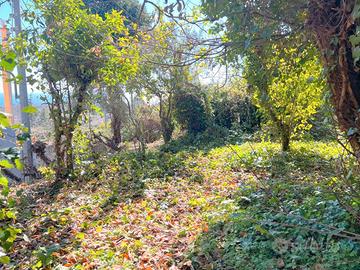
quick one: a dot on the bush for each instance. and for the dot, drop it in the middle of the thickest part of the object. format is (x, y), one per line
(213, 136)
(191, 112)
(152, 130)
(233, 111)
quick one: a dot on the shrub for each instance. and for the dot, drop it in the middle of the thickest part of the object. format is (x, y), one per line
(233, 111)
(190, 112)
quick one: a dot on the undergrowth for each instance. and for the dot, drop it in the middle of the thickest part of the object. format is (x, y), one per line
(243, 206)
(286, 217)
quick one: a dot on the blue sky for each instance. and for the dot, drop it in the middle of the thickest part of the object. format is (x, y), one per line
(5, 11)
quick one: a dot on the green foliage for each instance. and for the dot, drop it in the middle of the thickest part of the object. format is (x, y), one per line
(261, 236)
(288, 89)
(8, 232)
(29, 109)
(252, 24)
(346, 184)
(264, 33)
(76, 49)
(129, 8)
(47, 173)
(284, 217)
(190, 112)
(304, 158)
(82, 149)
(232, 108)
(8, 62)
(155, 165)
(162, 83)
(213, 136)
(9, 158)
(45, 256)
(81, 47)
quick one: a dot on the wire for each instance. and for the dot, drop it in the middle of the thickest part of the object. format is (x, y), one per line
(3, 2)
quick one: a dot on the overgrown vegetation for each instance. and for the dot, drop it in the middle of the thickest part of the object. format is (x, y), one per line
(285, 217)
(212, 135)
(9, 159)
(251, 205)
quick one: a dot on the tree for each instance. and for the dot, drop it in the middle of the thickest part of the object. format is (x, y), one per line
(76, 49)
(332, 24)
(336, 25)
(159, 78)
(159, 84)
(130, 10)
(287, 87)
(110, 97)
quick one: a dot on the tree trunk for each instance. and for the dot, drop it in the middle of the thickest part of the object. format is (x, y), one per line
(69, 152)
(332, 23)
(116, 124)
(66, 167)
(167, 129)
(142, 145)
(57, 117)
(59, 154)
(285, 140)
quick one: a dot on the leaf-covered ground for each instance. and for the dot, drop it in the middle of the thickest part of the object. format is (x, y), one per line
(81, 228)
(83, 225)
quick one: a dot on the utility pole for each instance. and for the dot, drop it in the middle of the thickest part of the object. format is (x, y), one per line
(24, 102)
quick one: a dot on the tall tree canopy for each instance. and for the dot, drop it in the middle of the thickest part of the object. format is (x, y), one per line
(76, 49)
(130, 9)
(333, 24)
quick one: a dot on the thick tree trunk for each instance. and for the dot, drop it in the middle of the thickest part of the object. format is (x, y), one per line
(333, 25)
